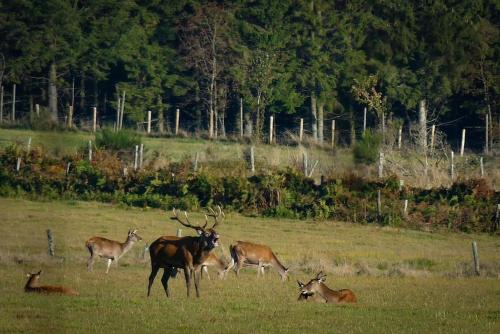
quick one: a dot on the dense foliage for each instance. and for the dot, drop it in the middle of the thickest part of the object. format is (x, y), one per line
(465, 206)
(316, 59)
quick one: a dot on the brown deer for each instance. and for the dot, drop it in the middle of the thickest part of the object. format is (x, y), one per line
(249, 254)
(110, 249)
(33, 286)
(316, 286)
(214, 261)
(188, 253)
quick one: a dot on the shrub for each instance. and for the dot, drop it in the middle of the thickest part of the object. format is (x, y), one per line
(121, 140)
(366, 150)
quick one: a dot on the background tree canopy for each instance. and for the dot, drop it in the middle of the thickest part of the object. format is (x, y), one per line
(290, 59)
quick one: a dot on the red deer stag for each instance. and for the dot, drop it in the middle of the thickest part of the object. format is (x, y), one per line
(33, 286)
(110, 249)
(188, 253)
(250, 254)
(316, 286)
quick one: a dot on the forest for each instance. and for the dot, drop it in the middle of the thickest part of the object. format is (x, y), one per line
(290, 59)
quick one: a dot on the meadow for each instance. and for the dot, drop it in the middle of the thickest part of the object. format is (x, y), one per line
(406, 281)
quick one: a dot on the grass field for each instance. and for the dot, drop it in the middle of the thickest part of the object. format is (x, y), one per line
(406, 281)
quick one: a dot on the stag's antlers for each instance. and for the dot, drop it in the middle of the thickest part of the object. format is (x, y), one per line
(320, 276)
(212, 214)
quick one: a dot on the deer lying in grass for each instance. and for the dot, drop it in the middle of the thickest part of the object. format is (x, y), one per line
(33, 286)
(250, 254)
(316, 286)
(110, 249)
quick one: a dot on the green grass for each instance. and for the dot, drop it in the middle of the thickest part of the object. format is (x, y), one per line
(432, 297)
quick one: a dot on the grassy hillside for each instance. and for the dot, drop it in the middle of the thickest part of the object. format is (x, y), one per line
(406, 281)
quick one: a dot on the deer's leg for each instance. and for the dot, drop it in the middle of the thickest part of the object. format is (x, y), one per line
(90, 262)
(167, 273)
(154, 271)
(196, 282)
(259, 267)
(205, 269)
(239, 265)
(109, 265)
(187, 275)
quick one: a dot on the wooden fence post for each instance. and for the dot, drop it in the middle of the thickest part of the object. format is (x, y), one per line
(463, 143)
(149, 122)
(177, 116)
(301, 130)
(405, 208)
(475, 257)
(271, 120)
(381, 164)
(118, 112)
(252, 159)
(333, 133)
(18, 164)
(481, 165)
(94, 119)
(90, 150)
(14, 103)
(400, 135)
(195, 167)
(179, 233)
(29, 144)
(433, 137)
(37, 109)
(68, 166)
(50, 239)
(136, 156)
(452, 166)
(141, 155)
(364, 121)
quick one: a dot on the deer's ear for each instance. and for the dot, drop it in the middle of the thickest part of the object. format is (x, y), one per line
(322, 279)
(300, 284)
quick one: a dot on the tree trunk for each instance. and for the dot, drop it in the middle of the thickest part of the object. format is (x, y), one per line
(53, 92)
(248, 125)
(422, 124)
(352, 125)
(96, 93)
(82, 94)
(314, 116)
(321, 109)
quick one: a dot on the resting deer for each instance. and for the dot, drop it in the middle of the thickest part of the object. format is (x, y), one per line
(316, 286)
(33, 286)
(110, 249)
(188, 253)
(250, 254)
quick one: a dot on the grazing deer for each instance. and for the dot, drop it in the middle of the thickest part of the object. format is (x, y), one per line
(110, 249)
(33, 286)
(214, 261)
(188, 253)
(317, 286)
(250, 254)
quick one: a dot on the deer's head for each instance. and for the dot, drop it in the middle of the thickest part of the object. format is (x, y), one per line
(133, 236)
(209, 237)
(313, 285)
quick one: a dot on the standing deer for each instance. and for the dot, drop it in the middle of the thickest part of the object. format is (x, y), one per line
(33, 286)
(188, 253)
(250, 254)
(316, 286)
(110, 249)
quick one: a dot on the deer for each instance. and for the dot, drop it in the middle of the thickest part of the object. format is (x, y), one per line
(33, 286)
(245, 253)
(110, 249)
(214, 261)
(188, 253)
(316, 286)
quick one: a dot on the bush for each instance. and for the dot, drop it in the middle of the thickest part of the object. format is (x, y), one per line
(366, 150)
(121, 140)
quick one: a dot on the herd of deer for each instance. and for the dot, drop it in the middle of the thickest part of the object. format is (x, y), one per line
(193, 254)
